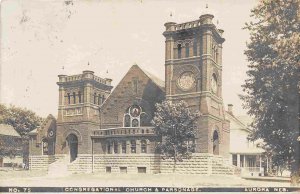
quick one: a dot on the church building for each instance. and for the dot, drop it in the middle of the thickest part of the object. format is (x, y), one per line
(106, 129)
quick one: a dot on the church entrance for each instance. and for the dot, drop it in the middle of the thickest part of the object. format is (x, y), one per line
(216, 143)
(73, 146)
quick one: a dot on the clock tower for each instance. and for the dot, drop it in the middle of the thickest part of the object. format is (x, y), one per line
(193, 72)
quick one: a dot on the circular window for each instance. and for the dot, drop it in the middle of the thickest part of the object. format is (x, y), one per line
(186, 81)
(135, 111)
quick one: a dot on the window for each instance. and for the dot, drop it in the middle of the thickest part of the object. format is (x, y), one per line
(74, 98)
(127, 121)
(123, 170)
(195, 48)
(141, 169)
(69, 98)
(95, 98)
(133, 146)
(124, 147)
(187, 50)
(99, 99)
(135, 123)
(108, 169)
(79, 97)
(234, 159)
(116, 150)
(179, 51)
(135, 117)
(143, 146)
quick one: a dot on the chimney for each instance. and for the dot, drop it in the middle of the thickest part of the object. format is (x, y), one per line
(230, 106)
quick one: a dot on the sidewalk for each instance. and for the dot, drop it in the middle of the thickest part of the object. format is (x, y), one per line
(269, 179)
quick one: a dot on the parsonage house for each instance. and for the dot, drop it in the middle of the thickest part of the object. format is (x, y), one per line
(10, 147)
(104, 129)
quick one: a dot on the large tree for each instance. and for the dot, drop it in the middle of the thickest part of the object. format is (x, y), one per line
(272, 87)
(23, 121)
(175, 125)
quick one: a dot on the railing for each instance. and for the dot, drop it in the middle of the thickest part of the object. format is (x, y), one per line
(99, 79)
(187, 25)
(125, 131)
(257, 171)
(74, 77)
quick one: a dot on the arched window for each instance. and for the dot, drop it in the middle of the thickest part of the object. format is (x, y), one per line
(116, 150)
(135, 117)
(69, 98)
(74, 98)
(216, 143)
(95, 98)
(127, 120)
(187, 50)
(179, 51)
(135, 123)
(79, 97)
(99, 99)
(133, 146)
(143, 146)
(124, 147)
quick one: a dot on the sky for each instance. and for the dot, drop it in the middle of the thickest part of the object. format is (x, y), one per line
(41, 39)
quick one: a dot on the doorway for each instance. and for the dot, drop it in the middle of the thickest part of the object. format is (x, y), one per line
(73, 146)
(216, 143)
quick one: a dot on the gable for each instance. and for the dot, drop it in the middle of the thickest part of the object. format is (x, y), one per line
(136, 88)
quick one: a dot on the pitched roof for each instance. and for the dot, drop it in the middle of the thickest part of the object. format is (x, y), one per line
(160, 83)
(8, 130)
(236, 123)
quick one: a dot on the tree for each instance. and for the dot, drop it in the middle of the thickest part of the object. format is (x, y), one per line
(272, 88)
(23, 121)
(175, 126)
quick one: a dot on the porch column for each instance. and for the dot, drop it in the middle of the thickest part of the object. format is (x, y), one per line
(259, 162)
(244, 161)
(238, 158)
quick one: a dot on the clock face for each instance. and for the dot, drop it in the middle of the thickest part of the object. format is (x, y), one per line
(213, 83)
(186, 81)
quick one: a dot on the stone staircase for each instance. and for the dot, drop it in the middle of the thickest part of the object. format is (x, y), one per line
(221, 166)
(59, 168)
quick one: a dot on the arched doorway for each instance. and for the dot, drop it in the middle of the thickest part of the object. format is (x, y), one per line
(216, 143)
(45, 146)
(73, 146)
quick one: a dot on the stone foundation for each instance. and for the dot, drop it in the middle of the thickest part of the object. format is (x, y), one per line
(205, 164)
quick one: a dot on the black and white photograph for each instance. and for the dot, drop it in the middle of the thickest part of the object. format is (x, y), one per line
(149, 96)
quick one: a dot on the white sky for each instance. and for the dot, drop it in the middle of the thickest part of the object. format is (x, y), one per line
(38, 37)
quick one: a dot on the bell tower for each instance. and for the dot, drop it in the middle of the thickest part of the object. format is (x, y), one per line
(193, 73)
(80, 98)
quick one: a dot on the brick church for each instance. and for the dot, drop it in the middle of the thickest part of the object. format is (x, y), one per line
(106, 129)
